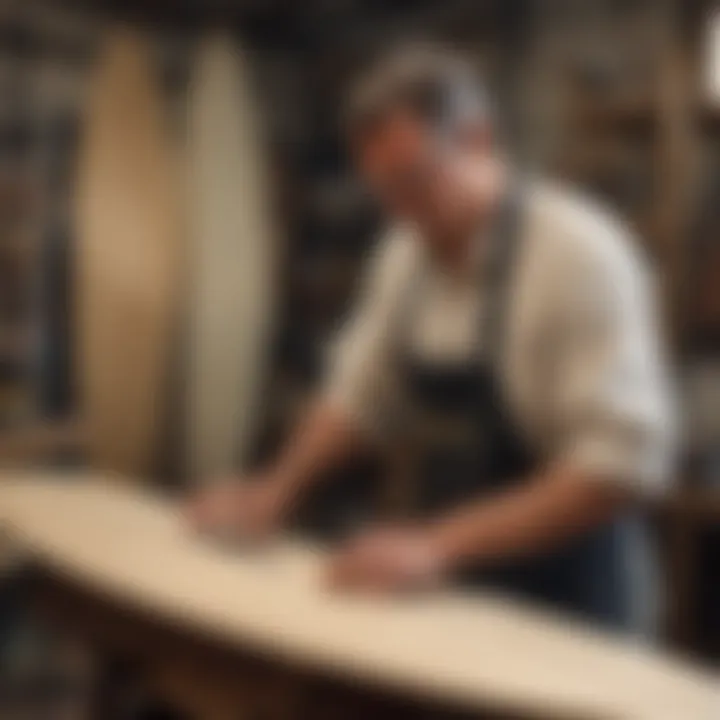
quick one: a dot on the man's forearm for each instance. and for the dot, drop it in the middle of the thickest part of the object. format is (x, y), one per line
(526, 520)
(324, 439)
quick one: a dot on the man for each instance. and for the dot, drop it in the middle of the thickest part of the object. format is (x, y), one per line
(513, 311)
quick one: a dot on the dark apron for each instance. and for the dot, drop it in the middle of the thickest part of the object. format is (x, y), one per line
(598, 575)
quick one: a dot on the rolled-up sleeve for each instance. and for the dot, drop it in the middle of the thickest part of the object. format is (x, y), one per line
(362, 376)
(613, 398)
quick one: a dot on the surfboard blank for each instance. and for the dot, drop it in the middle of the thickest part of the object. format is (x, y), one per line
(489, 653)
(127, 259)
(232, 247)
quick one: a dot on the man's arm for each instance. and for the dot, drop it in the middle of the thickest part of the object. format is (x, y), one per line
(534, 517)
(360, 395)
(325, 438)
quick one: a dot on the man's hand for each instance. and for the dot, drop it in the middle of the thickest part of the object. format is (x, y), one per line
(237, 509)
(394, 559)
(257, 506)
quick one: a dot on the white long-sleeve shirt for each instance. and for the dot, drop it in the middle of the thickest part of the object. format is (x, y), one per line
(583, 368)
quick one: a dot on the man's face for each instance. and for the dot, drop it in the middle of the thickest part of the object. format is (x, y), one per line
(413, 175)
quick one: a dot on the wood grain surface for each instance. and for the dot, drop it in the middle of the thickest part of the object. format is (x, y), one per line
(128, 254)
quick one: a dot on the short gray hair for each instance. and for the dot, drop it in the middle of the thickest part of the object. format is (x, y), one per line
(440, 86)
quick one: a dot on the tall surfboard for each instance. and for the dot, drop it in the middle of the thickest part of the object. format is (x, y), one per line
(128, 252)
(231, 258)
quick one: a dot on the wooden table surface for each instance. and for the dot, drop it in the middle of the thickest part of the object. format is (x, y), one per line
(478, 652)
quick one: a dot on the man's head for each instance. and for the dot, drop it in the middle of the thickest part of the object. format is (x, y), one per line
(420, 127)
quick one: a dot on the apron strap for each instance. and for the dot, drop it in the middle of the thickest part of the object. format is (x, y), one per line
(498, 277)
